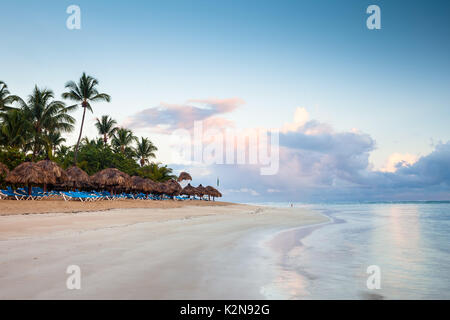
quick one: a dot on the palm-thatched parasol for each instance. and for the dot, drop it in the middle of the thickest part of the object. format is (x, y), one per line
(111, 177)
(201, 191)
(189, 190)
(173, 187)
(138, 183)
(3, 170)
(150, 186)
(184, 176)
(213, 192)
(28, 173)
(163, 188)
(76, 177)
(55, 173)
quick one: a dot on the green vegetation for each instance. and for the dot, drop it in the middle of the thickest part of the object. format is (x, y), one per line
(33, 129)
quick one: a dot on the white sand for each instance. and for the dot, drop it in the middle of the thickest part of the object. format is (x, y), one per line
(177, 253)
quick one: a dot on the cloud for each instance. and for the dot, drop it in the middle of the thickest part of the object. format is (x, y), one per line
(301, 116)
(429, 170)
(398, 160)
(168, 117)
(242, 190)
(315, 161)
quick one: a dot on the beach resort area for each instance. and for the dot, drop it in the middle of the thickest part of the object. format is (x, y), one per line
(224, 158)
(130, 226)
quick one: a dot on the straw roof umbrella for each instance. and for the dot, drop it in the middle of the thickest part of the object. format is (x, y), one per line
(189, 190)
(174, 187)
(161, 188)
(167, 187)
(213, 192)
(77, 177)
(201, 191)
(137, 183)
(111, 177)
(29, 173)
(55, 173)
(3, 170)
(184, 176)
(151, 186)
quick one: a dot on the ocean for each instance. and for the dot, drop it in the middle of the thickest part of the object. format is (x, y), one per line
(402, 250)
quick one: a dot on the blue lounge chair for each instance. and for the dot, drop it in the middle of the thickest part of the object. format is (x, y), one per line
(12, 194)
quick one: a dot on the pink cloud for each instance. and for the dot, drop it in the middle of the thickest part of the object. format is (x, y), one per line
(168, 117)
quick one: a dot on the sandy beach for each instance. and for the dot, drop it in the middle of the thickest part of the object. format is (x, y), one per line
(184, 252)
(12, 207)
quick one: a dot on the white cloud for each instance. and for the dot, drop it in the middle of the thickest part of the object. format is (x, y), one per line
(301, 116)
(242, 190)
(398, 160)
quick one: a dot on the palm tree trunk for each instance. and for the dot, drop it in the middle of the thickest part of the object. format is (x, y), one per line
(79, 137)
(33, 157)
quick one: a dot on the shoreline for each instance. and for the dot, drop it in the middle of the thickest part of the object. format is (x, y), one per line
(285, 245)
(201, 252)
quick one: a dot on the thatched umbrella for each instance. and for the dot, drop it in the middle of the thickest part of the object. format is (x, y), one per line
(162, 188)
(201, 191)
(138, 183)
(174, 187)
(3, 170)
(151, 186)
(54, 172)
(189, 190)
(77, 178)
(212, 192)
(29, 173)
(111, 177)
(184, 176)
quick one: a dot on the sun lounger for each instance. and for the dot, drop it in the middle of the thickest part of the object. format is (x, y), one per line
(12, 194)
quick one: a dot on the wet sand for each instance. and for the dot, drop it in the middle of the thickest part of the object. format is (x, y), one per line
(190, 252)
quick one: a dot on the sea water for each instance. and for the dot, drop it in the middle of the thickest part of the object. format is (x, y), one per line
(408, 243)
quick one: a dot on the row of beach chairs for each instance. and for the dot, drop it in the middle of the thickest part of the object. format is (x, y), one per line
(83, 196)
(22, 194)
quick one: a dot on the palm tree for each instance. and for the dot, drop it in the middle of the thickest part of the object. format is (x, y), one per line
(5, 98)
(144, 150)
(106, 127)
(84, 93)
(122, 139)
(14, 130)
(53, 140)
(45, 115)
(62, 151)
(98, 143)
(157, 172)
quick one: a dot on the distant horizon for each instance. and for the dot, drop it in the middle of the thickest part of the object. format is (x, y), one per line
(353, 202)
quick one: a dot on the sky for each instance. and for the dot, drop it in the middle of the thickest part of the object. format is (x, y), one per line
(362, 114)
